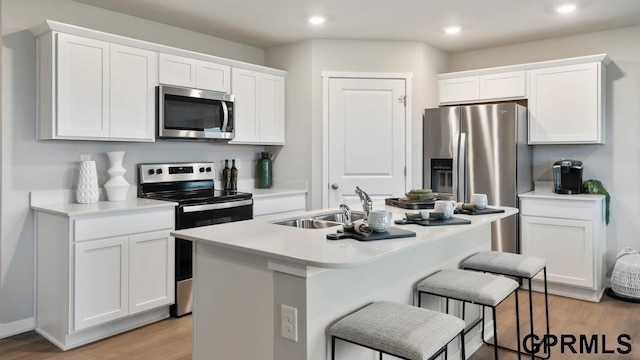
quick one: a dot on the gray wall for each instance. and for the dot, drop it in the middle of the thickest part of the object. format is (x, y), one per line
(616, 162)
(30, 165)
(313, 57)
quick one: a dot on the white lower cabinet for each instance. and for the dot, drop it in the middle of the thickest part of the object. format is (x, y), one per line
(570, 235)
(101, 274)
(101, 281)
(151, 271)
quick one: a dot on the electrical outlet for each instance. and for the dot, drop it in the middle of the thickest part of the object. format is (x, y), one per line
(289, 322)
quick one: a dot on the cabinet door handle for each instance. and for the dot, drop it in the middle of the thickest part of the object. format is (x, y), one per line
(334, 186)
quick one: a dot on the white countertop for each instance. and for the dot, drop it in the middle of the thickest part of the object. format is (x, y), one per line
(544, 190)
(310, 246)
(101, 207)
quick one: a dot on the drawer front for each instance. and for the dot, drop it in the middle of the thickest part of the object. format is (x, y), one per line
(123, 224)
(278, 204)
(564, 209)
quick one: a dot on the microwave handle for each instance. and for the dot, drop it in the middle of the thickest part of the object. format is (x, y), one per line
(225, 113)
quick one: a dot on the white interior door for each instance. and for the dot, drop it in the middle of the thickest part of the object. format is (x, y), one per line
(366, 138)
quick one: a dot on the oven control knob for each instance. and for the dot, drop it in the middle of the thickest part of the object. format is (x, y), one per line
(208, 169)
(151, 172)
(159, 171)
(201, 169)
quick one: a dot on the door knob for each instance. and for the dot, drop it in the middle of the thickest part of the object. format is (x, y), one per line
(334, 186)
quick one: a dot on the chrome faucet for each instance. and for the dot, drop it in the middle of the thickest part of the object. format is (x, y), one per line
(346, 213)
(367, 204)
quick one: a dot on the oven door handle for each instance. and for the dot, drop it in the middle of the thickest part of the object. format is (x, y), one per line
(225, 205)
(225, 114)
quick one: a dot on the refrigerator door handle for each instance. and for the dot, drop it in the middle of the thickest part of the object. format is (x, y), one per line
(462, 167)
(455, 141)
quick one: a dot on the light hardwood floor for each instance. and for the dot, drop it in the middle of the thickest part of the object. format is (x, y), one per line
(171, 339)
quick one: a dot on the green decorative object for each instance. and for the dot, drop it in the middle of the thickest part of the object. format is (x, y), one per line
(592, 186)
(265, 175)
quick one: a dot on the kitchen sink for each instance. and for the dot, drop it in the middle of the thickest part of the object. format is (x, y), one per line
(320, 221)
(309, 223)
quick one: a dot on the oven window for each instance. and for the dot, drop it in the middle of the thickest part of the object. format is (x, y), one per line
(186, 113)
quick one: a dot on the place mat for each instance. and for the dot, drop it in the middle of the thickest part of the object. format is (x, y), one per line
(391, 233)
(478, 211)
(434, 222)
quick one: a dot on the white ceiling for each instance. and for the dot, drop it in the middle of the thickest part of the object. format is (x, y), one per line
(485, 23)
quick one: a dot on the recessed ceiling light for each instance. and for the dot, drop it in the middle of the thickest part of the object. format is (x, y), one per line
(452, 30)
(317, 20)
(567, 8)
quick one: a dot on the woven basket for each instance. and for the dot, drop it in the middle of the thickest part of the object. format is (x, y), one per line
(625, 280)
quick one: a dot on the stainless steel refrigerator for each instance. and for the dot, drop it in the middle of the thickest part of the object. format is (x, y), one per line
(480, 149)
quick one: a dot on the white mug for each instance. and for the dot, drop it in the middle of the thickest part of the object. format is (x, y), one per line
(446, 207)
(379, 220)
(479, 200)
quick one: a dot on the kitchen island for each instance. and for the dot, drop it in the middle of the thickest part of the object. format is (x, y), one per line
(245, 272)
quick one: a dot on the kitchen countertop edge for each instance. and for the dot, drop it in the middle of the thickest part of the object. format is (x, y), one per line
(101, 207)
(283, 237)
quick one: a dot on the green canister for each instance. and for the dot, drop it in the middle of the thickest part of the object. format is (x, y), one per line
(265, 176)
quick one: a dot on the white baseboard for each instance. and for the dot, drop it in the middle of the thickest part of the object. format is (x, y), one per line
(17, 327)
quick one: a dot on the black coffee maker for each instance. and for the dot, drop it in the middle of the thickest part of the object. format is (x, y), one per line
(567, 177)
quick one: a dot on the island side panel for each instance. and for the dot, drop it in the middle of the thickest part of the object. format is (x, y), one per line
(336, 293)
(233, 305)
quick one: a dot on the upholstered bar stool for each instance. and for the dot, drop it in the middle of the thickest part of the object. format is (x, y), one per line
(518, 266)
(399, 330)
(475, 288)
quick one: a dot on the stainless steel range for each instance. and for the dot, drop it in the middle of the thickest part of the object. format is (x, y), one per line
(191, 185)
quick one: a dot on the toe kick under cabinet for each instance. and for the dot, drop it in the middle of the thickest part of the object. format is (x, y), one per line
(102, 273)
(569, 232)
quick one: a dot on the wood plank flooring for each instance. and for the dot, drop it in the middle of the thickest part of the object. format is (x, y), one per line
(171, 339)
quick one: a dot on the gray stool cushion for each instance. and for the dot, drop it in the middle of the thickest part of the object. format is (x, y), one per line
(505, 263)
(403, 330)
(470, 286)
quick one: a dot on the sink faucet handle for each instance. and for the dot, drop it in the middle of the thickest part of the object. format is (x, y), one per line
(347, 214)
(365, 199)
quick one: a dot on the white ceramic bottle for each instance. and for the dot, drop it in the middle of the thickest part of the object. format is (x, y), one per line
(87, 191)
(117, 187)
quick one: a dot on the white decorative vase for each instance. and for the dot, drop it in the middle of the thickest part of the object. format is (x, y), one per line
(117, 187)
(87, 191)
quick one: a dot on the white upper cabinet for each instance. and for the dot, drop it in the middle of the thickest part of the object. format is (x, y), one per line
(507, 85)
(566, 97)
(133, 81)
(459, 90)
(566, 104)
(259, 107)
(98, 86)
(482, 88)
(94, 90)
(82, 88)
(188, 72)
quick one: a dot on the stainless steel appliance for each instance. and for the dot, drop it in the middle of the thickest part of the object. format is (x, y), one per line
(567, 177)
(191, 185)
(185, 113)
(480, 149)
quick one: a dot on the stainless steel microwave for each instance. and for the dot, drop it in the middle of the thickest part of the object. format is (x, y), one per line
(185, 113)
